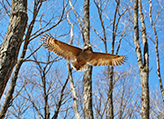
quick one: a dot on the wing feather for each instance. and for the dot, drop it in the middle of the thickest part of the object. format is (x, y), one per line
(102, 59)
(62, 49)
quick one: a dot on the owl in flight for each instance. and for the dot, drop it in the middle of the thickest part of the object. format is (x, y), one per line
(79, 56)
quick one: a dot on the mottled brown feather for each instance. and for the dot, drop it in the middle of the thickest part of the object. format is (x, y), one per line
(102, 59)
(62, 49)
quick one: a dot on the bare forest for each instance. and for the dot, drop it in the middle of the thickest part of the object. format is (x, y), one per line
(38, 84)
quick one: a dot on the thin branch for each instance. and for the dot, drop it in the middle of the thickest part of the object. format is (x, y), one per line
(33, 36)
(81, 26)
(60, 100)
(156, 49)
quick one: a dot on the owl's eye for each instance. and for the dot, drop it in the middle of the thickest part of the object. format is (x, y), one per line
(85, 49)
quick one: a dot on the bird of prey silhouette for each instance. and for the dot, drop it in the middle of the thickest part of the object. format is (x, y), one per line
(79, 56)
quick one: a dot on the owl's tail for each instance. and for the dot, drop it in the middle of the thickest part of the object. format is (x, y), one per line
(77, 66)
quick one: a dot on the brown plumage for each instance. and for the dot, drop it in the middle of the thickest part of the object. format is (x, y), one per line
(81, 56)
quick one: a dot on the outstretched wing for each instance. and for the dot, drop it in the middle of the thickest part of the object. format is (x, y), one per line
(102, 59)
(62, 49)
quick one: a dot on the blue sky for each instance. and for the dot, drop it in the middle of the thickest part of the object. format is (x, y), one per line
(127, 46)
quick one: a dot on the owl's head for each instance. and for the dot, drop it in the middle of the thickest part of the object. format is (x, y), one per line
(87, 47)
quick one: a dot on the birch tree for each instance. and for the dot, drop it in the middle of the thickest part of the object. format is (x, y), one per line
(143, 62)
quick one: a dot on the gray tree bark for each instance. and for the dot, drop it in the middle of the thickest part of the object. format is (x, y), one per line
(12, 41)
(143, 64)
(111, 72)
(87, 80)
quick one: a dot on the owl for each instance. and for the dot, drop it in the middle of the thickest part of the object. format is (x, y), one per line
(80, 56)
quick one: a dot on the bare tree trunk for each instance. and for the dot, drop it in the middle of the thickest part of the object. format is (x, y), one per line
(87, 80)
(111, 72)
(143, 65)
(144, 71)
(156, 49)
(12, 41)
(46, 105)
(110, 93)
(8, 98)
(75, 105)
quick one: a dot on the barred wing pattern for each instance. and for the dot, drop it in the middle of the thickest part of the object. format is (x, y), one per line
(102, 59)
(62, 49)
